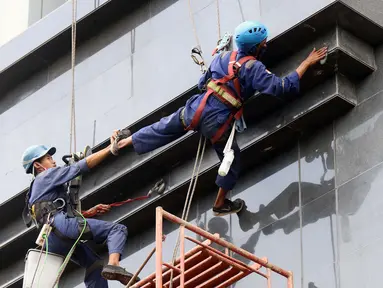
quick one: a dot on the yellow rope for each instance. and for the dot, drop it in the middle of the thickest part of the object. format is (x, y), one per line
(73, 106)
(218, 20)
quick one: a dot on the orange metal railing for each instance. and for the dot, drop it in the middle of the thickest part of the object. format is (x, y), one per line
(204, 266)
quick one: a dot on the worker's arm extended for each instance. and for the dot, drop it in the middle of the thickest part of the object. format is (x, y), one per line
(94, 159)
(61, 175)
(268, 83)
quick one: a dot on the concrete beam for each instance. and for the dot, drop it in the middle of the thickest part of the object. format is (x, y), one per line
(45, 52)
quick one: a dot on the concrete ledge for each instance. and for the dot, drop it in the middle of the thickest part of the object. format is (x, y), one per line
(14, 71)
(337, 13)
(49, 50)
(15, 283)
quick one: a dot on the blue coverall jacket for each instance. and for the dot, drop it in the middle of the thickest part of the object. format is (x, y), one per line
(253, 77)
(51, 185)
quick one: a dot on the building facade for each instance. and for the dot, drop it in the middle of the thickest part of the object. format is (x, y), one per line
(311, 165)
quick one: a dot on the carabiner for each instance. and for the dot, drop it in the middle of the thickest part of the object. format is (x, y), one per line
(222, 43)
(63, 203)
(196, 55)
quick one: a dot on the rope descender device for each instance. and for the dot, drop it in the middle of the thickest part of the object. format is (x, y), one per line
(196, 55)
(222, 43)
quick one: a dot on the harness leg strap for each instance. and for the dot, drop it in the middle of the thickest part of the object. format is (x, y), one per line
(199, 111)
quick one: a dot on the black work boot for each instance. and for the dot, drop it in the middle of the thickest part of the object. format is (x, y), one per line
(122, 134)
(228, 207)
(112, 272)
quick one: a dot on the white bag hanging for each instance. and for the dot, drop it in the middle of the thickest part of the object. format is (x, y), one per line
(228, 155)
(47, 269)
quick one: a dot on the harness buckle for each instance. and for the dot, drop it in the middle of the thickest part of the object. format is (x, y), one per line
(196, 55)
(222, 44)
(63, 203)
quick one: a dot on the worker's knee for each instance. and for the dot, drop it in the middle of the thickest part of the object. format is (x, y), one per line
(121, 229)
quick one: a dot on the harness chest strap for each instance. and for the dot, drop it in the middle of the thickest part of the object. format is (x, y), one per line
(225, 94)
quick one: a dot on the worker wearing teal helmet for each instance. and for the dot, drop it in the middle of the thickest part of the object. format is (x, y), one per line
(251, 37)
(232, 78)
(213, 112)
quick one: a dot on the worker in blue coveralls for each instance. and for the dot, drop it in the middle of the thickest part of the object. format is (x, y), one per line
(48, 194)
(232, 78)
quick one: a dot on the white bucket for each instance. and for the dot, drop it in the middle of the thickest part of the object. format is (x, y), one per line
(49, 270)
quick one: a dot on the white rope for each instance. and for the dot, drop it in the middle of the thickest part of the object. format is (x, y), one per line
(241, 10)
(199, 156)
(218, 20)
(38, 263)
(185, 212)
(73, 106)
(73, 121)
(193, 24)
(189, 195)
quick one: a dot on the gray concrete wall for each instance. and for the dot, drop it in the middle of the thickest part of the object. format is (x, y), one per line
(113, 74)
(303, 219)
(304, 212)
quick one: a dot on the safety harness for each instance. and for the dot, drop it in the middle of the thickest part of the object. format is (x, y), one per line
(220, 89)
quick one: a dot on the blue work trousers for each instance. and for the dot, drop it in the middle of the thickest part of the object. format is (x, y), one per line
(171, 128)
(113, 234)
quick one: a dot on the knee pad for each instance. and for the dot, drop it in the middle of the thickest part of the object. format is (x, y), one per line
(122, 228)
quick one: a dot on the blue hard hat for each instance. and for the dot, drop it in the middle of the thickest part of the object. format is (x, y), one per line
(33, 153)
(249, 34)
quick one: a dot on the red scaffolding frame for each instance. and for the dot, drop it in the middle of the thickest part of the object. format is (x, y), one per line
(204, 266)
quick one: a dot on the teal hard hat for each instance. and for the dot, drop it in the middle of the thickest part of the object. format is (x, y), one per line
(249, 34)
(33, 153)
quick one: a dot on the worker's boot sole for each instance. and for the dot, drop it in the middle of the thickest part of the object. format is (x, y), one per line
(122, 134)
(229, 207)
(117, 273)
